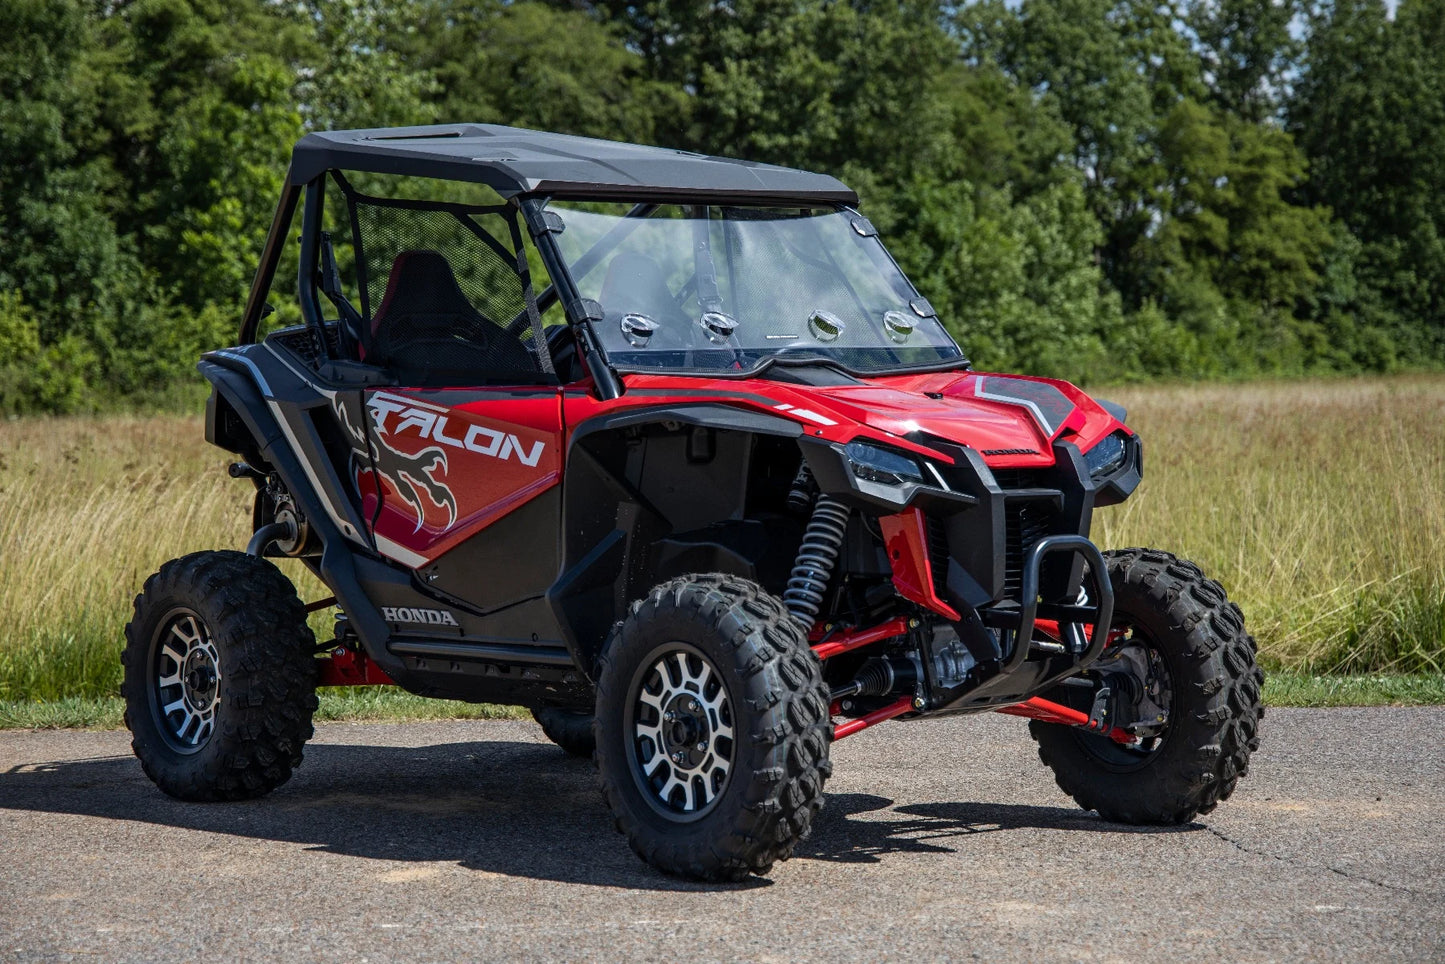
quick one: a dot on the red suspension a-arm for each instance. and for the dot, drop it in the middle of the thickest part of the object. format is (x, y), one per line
(903, 705)
(1034, 709)
(849, 641)
(1046, 711)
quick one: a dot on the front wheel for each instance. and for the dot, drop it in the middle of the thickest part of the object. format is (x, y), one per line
(712, 729)
(220, 677)
(1185, 669)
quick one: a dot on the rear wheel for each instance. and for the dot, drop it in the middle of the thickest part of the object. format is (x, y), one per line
(569, 729)
(219, 677)
(1194, 687)
(712, 729)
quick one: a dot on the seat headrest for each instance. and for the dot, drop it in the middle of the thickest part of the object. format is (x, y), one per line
(421, 281)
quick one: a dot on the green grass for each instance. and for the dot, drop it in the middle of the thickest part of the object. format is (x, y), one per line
(1320, 505)
(370, 703)
(385, 704)
(1285, 689)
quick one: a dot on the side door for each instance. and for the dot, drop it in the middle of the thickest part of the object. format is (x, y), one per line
(462, 485)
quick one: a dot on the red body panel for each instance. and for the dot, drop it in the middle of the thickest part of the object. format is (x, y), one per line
(886, 408)
(462, 458)
(457, 468)
(906, 541)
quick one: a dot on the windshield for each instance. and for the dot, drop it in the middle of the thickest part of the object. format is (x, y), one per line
(730, 290)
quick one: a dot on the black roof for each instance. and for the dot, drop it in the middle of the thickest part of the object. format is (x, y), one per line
(516, 161)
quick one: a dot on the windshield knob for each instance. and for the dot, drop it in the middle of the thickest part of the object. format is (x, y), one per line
(719, 325)
(898, 325)
(637, 329)
(825, 325)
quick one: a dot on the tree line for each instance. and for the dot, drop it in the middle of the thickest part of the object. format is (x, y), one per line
(1093, 189)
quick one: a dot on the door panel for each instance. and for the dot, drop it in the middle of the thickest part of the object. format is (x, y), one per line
(448, 463)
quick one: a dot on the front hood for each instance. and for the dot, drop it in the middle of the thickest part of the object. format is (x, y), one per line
(1010, 420)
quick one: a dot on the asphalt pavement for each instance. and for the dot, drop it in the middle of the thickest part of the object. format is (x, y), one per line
(941, 840)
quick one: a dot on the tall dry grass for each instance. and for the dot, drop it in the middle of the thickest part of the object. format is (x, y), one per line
(1318, 504)
(88, 509)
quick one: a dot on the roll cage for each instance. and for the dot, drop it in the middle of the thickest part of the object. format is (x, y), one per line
(527, 169)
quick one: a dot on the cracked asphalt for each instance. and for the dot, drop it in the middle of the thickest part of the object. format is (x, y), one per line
(940, 840)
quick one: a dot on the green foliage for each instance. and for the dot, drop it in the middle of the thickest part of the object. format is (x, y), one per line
(530, 65)
(1370, 115)
(1249, 52)
(364, 80)
(1085, 188)
(1014, 282)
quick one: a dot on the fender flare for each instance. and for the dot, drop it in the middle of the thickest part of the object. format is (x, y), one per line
(601, 512)
(244, 393)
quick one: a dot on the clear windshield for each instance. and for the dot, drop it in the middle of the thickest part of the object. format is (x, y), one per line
(732, 289)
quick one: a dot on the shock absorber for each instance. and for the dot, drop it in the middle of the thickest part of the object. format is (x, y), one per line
(800, 496)
(816, 557)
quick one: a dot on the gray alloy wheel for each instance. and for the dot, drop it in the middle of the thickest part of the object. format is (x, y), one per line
(681, 721)
(185, 681)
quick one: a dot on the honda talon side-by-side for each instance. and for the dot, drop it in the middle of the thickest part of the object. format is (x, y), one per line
(665, 448)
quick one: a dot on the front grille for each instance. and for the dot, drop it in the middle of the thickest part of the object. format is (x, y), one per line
(1021, 479)
(1024, 525)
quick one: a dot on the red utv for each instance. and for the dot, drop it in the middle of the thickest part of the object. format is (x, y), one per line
(667, 449)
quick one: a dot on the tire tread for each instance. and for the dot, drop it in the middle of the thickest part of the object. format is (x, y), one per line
(785, 754)
(1225, 685)
(257, 621)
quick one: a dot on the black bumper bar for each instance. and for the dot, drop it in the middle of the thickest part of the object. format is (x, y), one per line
(1028, 611)
(1018, 677)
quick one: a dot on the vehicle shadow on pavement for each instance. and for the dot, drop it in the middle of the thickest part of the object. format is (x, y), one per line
(839, 835)
(513, 808)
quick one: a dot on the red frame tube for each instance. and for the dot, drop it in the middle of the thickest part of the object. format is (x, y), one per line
(849, 641)
(1050, 628)
(903, 705)
(1050, 712)
(348, 667)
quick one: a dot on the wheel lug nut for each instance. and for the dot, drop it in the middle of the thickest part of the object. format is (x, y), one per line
(702, 746)
(692, 705)
(669, 716)
(677, 757)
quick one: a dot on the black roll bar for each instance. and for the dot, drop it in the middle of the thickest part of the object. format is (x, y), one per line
(270, 258)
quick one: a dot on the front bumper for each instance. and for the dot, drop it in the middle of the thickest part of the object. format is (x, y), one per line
(1014, 553)
(1024, 666)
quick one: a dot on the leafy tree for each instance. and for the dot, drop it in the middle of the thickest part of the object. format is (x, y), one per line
(60, 245)
(518, 64)
(1370, 115)
(1110, 69)
(1229, 222)
(1014, 282)
(1093, 188)
(360, 74)
(1250, 52)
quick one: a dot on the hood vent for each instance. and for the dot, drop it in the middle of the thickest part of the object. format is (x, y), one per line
(1049, 406)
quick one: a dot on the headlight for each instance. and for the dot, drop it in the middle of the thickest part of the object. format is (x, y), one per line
(1107, 457)
(872, 463)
